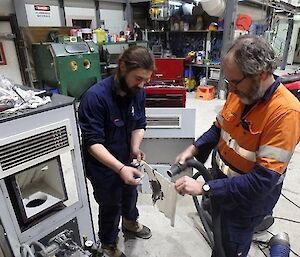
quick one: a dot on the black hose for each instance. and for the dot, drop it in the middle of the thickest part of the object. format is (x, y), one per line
(178, 168)
(214, 236)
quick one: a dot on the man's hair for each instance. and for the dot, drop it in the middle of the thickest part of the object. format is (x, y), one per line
(253, 55)
(136, 57)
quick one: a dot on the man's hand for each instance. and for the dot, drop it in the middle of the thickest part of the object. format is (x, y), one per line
(188, 185)
(130, 175)
(188, 153)
(138, 154)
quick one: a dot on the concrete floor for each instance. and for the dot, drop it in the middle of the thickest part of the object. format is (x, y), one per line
(184, 239)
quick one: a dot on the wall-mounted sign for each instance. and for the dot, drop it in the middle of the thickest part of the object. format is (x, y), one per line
(42, 11)
(45, 8)
(43, 15)
(2, 55)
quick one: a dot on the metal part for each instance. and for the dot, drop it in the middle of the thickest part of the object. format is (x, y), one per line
(163, 191)
(7, 36)
(228, 33)
(280, 245)
(62, 12)
(278, 5)
(287, 43)
(60, 245)
(157, 193)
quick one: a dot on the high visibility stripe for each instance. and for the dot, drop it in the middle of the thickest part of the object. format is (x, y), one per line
(225, 168)
(220, 119)
(281, 178)
(231, 173)
(275, 153)
(231, 143)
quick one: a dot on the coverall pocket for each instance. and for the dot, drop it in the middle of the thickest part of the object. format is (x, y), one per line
(134, 120)
(116, 131)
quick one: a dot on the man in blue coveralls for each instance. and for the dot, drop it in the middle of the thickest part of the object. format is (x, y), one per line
(112, 120)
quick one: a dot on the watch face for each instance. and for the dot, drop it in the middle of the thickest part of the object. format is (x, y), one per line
(206, 187)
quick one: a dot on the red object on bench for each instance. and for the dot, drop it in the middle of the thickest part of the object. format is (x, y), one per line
(166, 86)
(294, 87)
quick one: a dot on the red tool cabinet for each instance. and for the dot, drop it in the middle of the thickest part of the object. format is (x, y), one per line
(166, 87)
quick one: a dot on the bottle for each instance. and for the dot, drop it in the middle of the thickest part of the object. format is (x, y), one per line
(94, 37)
(199, 58)
(101, 37)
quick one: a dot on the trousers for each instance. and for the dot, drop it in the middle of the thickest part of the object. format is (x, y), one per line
(237, 234)
(115, 199)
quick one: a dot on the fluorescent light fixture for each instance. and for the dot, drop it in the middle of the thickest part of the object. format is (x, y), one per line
(176, 3)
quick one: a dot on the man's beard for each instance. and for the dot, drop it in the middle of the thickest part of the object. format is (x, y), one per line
(253, 96)
(126, 89)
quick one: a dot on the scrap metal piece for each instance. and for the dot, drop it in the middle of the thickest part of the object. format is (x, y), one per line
(164, 195)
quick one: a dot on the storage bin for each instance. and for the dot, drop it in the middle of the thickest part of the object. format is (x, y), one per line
(205, 92)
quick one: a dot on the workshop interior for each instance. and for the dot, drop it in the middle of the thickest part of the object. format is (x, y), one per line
(52, 52)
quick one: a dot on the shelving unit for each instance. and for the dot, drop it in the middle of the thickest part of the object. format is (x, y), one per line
(181, 42)
(114, 49)
(207, 68)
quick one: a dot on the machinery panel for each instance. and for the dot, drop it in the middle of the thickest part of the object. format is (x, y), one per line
(70, 67)
(45, 193)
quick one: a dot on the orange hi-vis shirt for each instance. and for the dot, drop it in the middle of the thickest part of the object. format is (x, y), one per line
(266, 135)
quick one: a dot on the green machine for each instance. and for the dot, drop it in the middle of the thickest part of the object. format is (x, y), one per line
(70, 67)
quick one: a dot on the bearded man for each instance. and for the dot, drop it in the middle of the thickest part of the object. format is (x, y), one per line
(254, 137)
(112, 120)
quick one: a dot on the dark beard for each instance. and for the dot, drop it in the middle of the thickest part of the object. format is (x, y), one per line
(124, 87)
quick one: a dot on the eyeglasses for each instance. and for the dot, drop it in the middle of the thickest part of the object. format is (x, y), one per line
(234, 82)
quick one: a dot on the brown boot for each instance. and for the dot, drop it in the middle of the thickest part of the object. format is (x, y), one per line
(135, 228)
(112, 251)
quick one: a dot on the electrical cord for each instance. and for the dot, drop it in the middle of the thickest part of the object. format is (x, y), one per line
(286, 219)
(262, 249)
(292, 202)
(262, 245)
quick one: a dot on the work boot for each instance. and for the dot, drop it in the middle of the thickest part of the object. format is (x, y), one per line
(136, 229)
(112, 251)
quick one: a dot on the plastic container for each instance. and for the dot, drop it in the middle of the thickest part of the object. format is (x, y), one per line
(101, 35)
(214, 8)
(205, 92)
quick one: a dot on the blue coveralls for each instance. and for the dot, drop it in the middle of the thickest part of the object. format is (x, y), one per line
(107, 118)
(240, 210)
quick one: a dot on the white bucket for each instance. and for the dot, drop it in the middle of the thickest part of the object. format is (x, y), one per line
(214, 7)
(187, 8)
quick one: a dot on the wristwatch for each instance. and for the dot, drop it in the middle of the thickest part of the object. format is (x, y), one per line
(206, 189)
